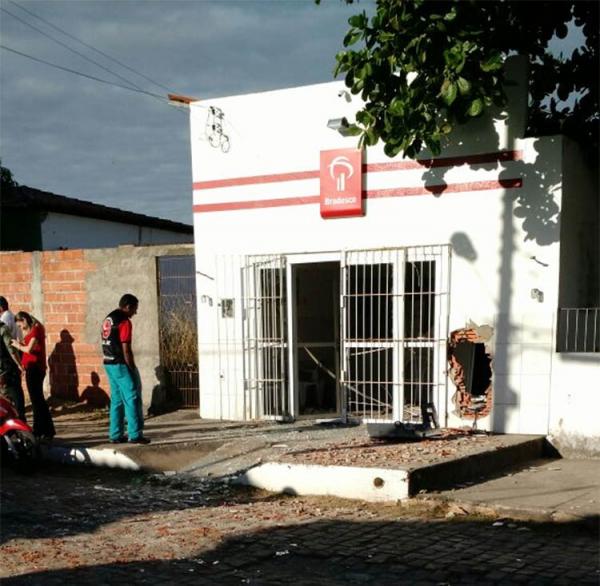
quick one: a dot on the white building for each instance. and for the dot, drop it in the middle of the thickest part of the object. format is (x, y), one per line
(330, 287)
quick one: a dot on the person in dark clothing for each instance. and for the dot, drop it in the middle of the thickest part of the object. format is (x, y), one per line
(10, 371)
(33, 361)
(123, 376)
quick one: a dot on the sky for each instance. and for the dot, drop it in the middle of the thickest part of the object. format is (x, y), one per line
(77, 137)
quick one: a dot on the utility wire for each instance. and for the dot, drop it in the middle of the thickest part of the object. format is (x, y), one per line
(69, 48)
(89, 46)
(125, 87)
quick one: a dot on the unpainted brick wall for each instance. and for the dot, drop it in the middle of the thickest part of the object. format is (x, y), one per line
(16, 275)
(74, 366)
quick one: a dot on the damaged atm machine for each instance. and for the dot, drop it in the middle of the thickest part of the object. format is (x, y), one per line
(334, 282)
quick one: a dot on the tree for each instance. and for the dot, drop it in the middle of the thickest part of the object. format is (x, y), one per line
(6, 177)
(422, 67)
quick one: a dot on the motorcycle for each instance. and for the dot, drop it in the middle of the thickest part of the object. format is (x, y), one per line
(18, 445)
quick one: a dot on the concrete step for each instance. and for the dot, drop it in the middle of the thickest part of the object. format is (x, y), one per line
(476, 467)
(378, 484)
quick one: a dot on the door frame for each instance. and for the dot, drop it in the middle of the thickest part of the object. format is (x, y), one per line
(292, 260)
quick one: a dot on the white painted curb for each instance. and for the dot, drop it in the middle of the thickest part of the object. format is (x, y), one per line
(93, 457)
(369, 484)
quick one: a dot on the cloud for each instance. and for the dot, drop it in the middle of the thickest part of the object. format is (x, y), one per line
(76, 137)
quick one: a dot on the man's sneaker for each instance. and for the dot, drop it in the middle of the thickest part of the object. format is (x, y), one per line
(139, 440)
(121, 440)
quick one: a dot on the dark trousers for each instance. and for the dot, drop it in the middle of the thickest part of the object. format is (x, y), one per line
(42, 420)
(11, 388)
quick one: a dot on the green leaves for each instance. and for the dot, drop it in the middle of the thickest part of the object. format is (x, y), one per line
(492, 63)
(353, 130)
(449, 91)
(359, 20)
(464, 86)
(457, 49)
(455, 58)
(476, 108)
(396, 107)
(352, 36)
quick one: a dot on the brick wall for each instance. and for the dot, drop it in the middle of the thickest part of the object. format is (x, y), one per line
(71, 291)
(74, 366)
(16, 275)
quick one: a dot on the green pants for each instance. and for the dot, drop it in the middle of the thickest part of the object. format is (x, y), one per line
(125, 402)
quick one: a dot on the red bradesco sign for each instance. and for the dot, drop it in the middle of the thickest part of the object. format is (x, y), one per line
(341, 183)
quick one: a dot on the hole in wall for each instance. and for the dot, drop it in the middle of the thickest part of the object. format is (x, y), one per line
(471, 371)
(378, 482)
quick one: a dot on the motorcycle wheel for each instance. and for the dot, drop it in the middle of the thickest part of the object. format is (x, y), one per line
(24, 455)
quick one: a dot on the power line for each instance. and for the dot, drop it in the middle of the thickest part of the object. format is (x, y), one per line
(125, 87)
(89, 46)
(35, 28)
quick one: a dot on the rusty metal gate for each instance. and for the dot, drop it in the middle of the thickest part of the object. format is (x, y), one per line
(178, 329)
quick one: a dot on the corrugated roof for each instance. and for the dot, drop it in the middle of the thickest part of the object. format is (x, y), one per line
(23, 196)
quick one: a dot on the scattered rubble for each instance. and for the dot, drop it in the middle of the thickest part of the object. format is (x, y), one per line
(371, 453)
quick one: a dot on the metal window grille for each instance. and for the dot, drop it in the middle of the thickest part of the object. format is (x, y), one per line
(578, 329)
(394, 331)
(265, 335)
(393, 322)
(178, 338)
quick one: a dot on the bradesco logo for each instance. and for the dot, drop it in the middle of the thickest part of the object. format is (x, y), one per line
(341, 183)
(339, 168)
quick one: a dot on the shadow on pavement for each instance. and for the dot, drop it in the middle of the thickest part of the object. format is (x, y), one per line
(403, 551)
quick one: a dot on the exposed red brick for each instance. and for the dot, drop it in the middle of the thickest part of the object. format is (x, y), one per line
(462, 398)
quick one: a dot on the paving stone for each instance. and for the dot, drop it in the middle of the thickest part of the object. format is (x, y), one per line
(138, 532)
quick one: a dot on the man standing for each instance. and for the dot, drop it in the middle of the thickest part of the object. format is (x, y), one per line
(123, 376)
(7, 317)
(10, 372)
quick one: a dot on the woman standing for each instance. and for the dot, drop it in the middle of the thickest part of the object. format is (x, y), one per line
(33, 361)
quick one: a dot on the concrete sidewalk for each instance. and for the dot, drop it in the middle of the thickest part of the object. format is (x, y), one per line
(184, 443)
(556, 489)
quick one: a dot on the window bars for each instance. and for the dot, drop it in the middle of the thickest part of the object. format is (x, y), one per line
(265, 335)
(578, 329)
(394, 331)
(178, 337)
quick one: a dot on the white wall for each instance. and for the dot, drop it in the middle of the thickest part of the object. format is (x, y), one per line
(505, 240)
(575, 405)
(68, 231)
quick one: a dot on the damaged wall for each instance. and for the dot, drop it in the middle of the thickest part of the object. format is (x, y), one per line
(470, 369)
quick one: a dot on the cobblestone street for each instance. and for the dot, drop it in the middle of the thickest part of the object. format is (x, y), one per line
(89, 526)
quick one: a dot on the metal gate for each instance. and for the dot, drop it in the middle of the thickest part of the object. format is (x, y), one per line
(178, 329)
(265, 336)
(394, 329)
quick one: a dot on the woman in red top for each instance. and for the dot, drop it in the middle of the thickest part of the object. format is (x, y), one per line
(33, 361)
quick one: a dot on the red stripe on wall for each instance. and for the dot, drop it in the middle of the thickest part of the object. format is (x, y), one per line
(375, 193)
(367, 168)
(444, 162)
(440, 188)
(256, 204)
(256, 179)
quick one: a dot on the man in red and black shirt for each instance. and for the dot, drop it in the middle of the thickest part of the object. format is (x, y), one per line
(123, 376)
